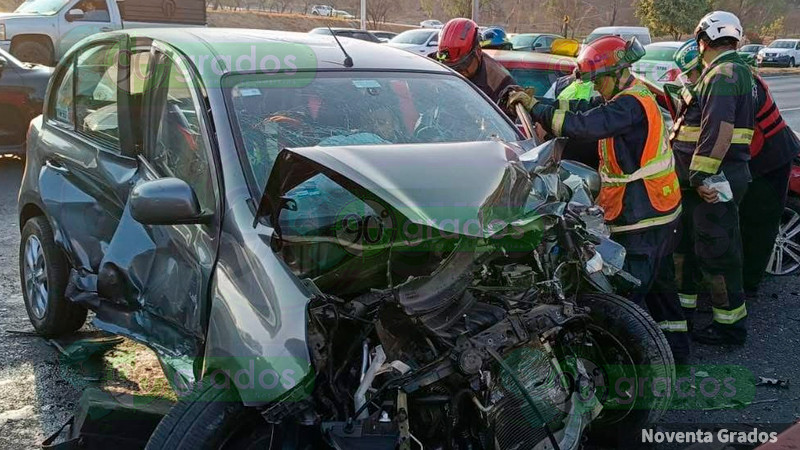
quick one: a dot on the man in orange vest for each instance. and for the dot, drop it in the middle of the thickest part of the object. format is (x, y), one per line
(640, 192)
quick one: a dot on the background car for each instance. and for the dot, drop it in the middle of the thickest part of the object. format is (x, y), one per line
(354, 33)
(342, 14)
(640, 33)
(534, 70)
(384, 36)
(750, 50)
(422, 42)
(22, 92)
(780, 52)
(533, 42)
(431, 23)
(321, 10)
(658, 65)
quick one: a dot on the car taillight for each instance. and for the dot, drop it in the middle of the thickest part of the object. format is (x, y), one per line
(671, 75)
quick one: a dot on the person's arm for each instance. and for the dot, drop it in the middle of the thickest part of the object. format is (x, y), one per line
(607, 120)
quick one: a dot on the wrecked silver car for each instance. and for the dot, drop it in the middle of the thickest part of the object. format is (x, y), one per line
(337, 254)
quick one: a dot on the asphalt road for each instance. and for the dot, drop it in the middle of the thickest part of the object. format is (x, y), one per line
(37, 394)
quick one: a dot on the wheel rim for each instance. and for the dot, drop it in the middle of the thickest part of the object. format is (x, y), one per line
(36, 277)
(785, 257)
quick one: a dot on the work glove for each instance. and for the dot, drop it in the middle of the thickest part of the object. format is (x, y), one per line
(523, 97)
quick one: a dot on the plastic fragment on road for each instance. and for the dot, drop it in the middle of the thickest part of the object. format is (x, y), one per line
(774, 382)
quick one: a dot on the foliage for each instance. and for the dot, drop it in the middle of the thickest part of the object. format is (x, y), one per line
(427, 7)
(378, 11)
(462, 8)
(774, 29)
(671, 17)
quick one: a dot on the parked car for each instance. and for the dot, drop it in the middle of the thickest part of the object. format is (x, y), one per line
(534, 70)
(22, 92)
(780, 52)
(658, 65)
(642, 34)
(354, 33)
(329, 255)
(421, 42)
(750, 50)
(322, 10)
(431, 23)
(533, 42)
(342, 14)
(785, 259)
(41, 31)
(384, 36)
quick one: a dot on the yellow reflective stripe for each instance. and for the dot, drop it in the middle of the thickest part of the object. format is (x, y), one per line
(558, 121)
(730, 317)
(688, 300)
(742, 136)
(647, 223)
(679, 326)
(563, 104)
(688, 134)
(655, 168)
(705, 164)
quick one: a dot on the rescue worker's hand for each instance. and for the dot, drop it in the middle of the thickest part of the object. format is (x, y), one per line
(709, 195)
(524, 98)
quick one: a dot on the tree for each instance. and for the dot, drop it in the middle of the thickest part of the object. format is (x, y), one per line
(672, 17)
(757, 16)
(462, 8)
(577, 10)
(379, 10)
(427, 7)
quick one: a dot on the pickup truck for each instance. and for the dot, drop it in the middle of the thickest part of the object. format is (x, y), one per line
(41, 31)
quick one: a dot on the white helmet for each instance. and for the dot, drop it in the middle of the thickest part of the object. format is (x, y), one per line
(720, 24)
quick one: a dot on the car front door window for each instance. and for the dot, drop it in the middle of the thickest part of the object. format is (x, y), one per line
(96, 107)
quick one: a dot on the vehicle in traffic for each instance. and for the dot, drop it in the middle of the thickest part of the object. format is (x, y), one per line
(342, 14)
(658, 65)
(421, 42)
(288, 244)
(533, 42)
(354, 33)
(780, 52)
(642, 34)
(322, 10)
(431, 23)
(384, 36)
(750, 50)
(534, 70)
(22, 92)
(41, 31)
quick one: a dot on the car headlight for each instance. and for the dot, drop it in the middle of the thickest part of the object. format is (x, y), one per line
(595, 263)
(2, 32)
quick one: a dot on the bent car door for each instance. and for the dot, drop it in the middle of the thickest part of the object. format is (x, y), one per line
(165, 269)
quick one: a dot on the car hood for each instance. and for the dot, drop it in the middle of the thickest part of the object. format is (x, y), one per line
(779, 51)
(11, 15)
(475, 189)
(406, 45)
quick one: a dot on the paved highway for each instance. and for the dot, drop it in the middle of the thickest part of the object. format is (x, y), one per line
(786, 91)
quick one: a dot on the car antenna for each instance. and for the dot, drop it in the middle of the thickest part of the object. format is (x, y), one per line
(348, 61)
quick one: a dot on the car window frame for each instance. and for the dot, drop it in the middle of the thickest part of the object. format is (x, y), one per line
(188, 71)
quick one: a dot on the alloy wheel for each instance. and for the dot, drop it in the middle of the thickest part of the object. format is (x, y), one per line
(35, 276)
(785, 257)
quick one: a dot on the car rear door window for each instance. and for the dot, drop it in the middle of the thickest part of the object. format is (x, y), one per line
(96, 95)
(63, 109)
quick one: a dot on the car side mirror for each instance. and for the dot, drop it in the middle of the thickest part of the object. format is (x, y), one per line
(75, 14)
(166, 201)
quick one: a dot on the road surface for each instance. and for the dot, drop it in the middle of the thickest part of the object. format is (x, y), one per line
(36, 396)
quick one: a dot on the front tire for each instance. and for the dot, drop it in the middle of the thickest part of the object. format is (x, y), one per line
(785, 258)
(44, 272)
(34, 52)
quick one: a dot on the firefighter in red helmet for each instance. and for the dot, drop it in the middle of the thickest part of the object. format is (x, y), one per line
(640, 192)
(459, 49)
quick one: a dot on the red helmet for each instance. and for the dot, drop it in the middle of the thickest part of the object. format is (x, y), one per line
(458, 42)
(607, 54)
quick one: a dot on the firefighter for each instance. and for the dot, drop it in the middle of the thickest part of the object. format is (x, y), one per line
(640, 192)
(459, 49)
(495, 38)
(711, 137)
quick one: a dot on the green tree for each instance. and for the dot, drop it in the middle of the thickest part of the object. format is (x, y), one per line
(671, 17)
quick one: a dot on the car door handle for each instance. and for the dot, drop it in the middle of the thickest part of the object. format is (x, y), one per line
(55, 165)
(106, 29)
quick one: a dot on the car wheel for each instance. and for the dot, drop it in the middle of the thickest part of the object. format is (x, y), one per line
(44, 271)
(791, 63)
(785, 258)
(33, 52)
(213, 417)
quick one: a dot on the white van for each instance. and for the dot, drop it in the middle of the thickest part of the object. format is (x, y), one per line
(642, 34)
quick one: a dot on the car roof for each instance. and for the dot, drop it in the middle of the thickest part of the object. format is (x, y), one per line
(612, 29)
(340, 29)
(532, 60)
(221, 42)
(536, 34)
(785, 40)
(667, 44)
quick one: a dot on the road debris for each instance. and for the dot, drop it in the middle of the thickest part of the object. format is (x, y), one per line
(774, 382)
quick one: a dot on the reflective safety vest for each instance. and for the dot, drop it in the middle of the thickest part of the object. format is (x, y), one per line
(656, 171)
(769, 120)
(577, 90)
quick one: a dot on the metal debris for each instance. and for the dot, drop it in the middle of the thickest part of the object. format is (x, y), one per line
(762, 381)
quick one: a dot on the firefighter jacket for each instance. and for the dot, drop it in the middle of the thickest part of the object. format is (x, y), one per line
(715, 123)
(639, 186)
(774, 143)
(493, 79)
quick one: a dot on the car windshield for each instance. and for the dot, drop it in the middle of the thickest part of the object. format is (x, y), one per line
(415, 37)
(750, 48)
(523, 41)
(659, 53)
(43, 7)
(358, 108)
(782, 44)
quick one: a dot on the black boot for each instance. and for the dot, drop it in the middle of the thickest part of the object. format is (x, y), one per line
(716, 335)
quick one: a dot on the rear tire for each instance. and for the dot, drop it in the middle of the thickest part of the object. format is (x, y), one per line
(44, 272)
(34, 52)
(780, 262)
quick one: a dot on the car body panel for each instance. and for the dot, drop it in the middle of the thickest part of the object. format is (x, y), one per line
(780, 52)
(657, 65)
(428, 44)
(539, 42)
(22, 90)
(642, 34)
(534, 70)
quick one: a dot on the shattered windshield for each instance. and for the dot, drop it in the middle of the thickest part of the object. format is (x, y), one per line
(359, 108)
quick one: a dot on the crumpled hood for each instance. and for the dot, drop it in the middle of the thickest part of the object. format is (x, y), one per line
(473, 189)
